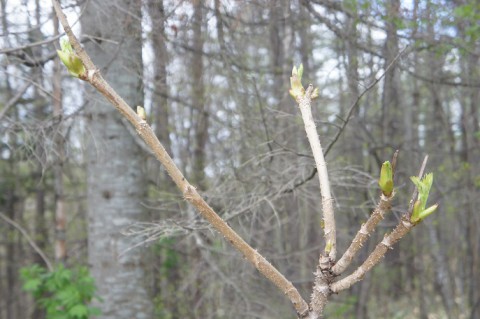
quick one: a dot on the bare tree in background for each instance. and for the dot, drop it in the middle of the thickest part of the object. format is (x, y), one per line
(258, 171)
(115, 180)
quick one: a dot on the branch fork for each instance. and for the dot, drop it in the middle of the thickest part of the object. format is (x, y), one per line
(328, 269)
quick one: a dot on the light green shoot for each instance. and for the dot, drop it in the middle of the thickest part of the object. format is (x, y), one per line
(423, 185)
(297, 89)
(73, 63)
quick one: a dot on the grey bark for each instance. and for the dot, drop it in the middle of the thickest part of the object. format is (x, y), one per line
(443, 280)
(198, 94)
(59, 146)
(159, 100)
(116, 185)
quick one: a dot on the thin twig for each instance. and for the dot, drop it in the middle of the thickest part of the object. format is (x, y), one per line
(367, 228)
(403, 227)
(14, 99)
(29, 239)
(357, 100)
(345, 121)
(363, 233)
(31, 45)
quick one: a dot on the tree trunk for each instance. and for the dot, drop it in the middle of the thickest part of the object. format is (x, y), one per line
(198, 94)
(116, 185)
(60, 215)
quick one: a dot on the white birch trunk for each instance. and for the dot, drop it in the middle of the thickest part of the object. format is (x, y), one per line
(115, 181)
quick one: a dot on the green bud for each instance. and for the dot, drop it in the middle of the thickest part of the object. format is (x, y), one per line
(386, 179)
(416, 212)
(70, 59)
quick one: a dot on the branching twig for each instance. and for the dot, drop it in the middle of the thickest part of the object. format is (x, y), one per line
(403, 227)
(366, 230)
(29, 239)
(352, 108)
(94, 77)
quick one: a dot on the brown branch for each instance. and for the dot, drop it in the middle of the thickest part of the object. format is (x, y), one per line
(31, 45)
(403, 227)
(29, 239)
(367, 229)
(94, 77)
(353, 106)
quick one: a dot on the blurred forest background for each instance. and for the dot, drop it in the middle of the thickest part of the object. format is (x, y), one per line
(214, 79)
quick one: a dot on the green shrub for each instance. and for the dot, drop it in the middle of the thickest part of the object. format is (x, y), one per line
(63, 293)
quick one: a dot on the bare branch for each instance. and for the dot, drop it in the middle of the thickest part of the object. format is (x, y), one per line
(357, 100)
(31, 45)
(304, 103)
(29, 239)
(367, 229)
(345, 121)
(14, 99)
(364, 232)
(403, 227)
(94, 77)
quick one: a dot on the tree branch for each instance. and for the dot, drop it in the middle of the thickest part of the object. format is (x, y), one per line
(403, 227)
(365, 231)
(190, 194)
(304, 103)
(352, 107)
(357, 100)
(29, 239)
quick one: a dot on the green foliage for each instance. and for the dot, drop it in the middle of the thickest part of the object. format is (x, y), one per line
(423, 185)
(469, 14)
(70, 59)
(170, 257)
(169, 266)
(63, 293)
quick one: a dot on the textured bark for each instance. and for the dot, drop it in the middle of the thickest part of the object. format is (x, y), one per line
(391, 103)
(163, 286)
(160, 90)
(198, 94)
(304, 103)
(363, 234)
(60, 214)
(403, 227)
(115, 182)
